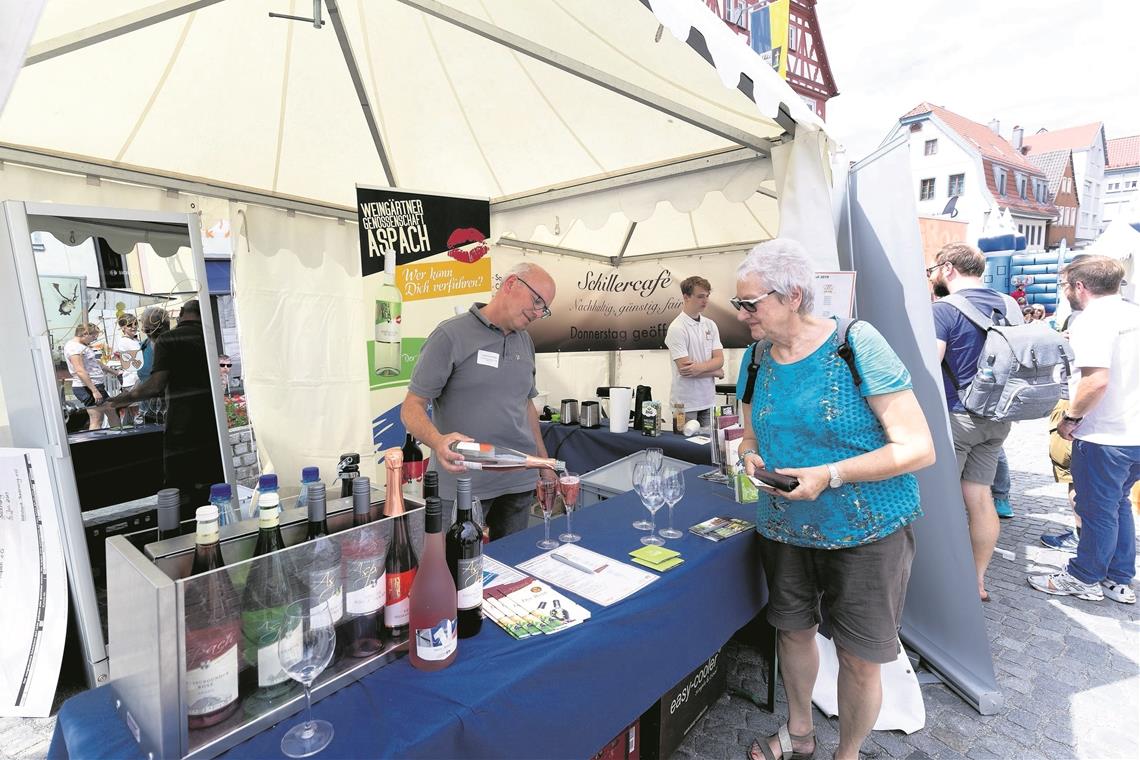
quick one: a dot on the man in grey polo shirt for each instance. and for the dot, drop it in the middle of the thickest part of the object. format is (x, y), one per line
(477, 371)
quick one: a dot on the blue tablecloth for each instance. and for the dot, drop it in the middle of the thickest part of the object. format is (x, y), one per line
(587, 449)
(563, 695)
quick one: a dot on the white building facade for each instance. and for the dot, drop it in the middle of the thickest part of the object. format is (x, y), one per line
(1122, 181)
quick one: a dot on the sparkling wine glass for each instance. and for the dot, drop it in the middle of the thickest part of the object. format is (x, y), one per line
(547, 490)
(653, 497)
(640, 471)
(570, 486)
(305, 648)
(674, 485)
(655, 457)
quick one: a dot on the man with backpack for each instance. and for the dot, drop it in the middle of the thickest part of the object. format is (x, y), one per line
(958, 271)
(1103, 422)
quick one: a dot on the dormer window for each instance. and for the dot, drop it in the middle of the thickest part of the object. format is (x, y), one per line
(1021, 184)
(999, 179)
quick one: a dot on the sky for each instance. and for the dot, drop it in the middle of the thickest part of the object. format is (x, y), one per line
(1042, 63)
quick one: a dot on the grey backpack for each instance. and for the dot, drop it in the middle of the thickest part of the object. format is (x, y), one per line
(1017, 377)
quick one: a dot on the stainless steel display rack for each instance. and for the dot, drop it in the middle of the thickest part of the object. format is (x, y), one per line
(147, 631)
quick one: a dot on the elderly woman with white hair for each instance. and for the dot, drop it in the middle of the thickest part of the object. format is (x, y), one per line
(849, 433)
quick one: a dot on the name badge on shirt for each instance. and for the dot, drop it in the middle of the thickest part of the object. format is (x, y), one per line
(488, 359)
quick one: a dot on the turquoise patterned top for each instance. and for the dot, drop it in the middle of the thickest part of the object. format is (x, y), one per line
(810, 413)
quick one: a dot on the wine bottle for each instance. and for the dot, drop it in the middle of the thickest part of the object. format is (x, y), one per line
(389, 304)
(413, 468)
(433, 639)
(168, 514)
(464, 544)
(309, 476)
(364, 582)
(265, 484)
(213, 630)
(487, 456)
(326, 582)
(431, 484)
(268, 591)
(347, 469)
(401, 562)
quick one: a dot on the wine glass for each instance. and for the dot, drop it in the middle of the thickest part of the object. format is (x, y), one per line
(569, 485)
(674, 485)
(640, 471)
(653, 497)
(305, 649)
(655, 457)
(547, 490)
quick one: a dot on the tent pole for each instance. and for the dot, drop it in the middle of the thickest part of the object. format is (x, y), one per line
(111, 28)
(361, 92)
(591, 74)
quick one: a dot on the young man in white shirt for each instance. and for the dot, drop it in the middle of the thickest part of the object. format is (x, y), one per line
(698, 356)
(1103, 421)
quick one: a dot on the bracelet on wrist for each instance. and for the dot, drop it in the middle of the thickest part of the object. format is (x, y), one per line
(1070, 418)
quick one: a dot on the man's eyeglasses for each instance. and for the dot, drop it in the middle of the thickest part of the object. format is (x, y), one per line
(539, 302)
(748, 304)
(932, 268)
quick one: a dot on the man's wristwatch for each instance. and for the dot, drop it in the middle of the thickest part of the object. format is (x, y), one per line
(1065, 416)
(835, 481)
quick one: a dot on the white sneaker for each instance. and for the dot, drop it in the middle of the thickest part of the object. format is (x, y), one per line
(1063, 584)
(1118, 592)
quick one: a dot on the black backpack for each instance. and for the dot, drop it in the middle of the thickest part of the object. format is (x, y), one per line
(844, 351)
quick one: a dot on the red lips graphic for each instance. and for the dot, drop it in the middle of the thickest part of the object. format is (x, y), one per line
(467, 244)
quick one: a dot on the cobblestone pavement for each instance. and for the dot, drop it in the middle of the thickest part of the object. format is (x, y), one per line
(1069, 669)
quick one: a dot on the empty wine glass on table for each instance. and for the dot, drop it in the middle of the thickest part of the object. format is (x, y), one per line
(305, 649)
(640, 471)
(570, 485)
(653, 497)
(673, 482)
(547, 490)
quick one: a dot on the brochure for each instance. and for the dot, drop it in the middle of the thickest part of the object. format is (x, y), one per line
(588, 574)
(720, 528)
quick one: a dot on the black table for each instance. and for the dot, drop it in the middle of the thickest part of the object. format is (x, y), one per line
(587, 449)
(116, 465)
(563, 695)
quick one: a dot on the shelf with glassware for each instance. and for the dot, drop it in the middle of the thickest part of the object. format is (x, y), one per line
(213, 640)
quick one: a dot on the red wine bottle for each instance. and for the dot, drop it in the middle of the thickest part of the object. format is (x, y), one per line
(431, 484)
(213, 631)
(401, 562)
(433, 639)
(412, 469)
(323, 564)
(268, 591)
(464, 544)
(364, 582)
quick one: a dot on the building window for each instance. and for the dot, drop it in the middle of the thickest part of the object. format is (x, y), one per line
(1040, 191)
(999, 179)
(1021, 229)
(930, 148)
(1021, 183)
(1066, 184)
(1113, 186)
(956, 184)
(1132, 185)
(926, 192)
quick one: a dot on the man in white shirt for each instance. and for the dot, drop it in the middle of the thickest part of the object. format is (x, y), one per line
(698, 356)
(1103, 421)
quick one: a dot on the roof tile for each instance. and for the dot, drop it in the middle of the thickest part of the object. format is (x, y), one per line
(1073, 138)
(1123, 151)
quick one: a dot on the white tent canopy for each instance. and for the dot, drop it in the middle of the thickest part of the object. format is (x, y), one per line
(593, 129)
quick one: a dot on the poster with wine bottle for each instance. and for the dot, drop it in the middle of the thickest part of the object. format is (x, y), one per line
(423, 257)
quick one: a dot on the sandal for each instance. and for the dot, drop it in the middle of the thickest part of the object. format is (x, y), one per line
(786, 751)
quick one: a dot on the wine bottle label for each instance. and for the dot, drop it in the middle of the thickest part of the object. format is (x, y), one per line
(212, 668)
(413, 473)
(469, 584)
(470, 446)
(437, 642)
(270, 671)
(469, 465)
(207, 533)
(388, 321)
(397, 609)
(365, 585)
(327, 586)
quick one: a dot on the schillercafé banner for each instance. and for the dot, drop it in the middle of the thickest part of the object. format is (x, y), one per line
(603, 308)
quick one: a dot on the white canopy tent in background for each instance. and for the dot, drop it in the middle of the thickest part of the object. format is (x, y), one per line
(590, 126)
(1120, 240)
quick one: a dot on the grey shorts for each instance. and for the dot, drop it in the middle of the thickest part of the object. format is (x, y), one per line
(864, 588)
(977, 444)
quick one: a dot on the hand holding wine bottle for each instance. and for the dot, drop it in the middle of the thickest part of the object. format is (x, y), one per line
(446, 455)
